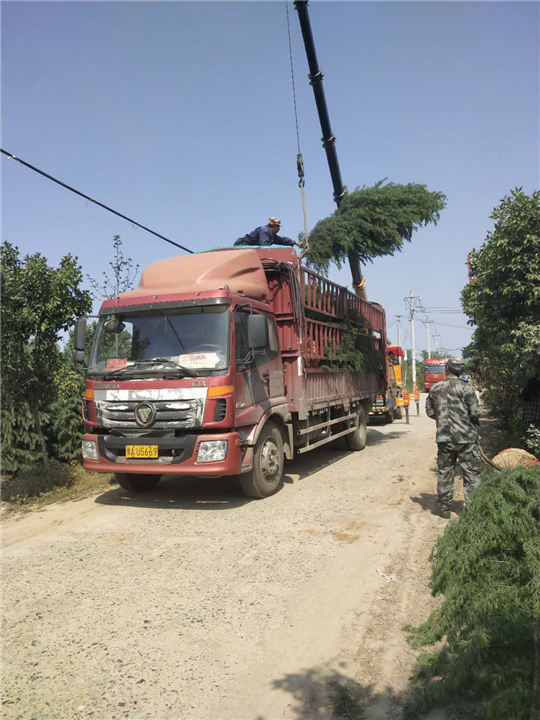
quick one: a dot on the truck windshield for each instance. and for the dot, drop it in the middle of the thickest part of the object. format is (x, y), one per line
(435, 368)
(175, 340)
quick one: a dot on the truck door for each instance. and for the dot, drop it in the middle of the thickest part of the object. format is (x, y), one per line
(261, 379)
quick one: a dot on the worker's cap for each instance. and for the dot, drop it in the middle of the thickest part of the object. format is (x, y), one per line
(456, 365)
(274, 221)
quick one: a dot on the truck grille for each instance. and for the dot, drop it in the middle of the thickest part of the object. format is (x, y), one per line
(169, 414)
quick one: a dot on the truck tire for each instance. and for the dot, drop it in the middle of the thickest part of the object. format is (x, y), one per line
(357, 439)
(137, 483)
(264, 479)
(398, 413)
(389, 416)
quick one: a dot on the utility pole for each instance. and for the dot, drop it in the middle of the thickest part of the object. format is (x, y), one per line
(436, 335)
(399, 334)
(414, 303)
(428, 323)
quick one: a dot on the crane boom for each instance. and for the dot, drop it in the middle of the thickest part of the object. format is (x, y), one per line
(328, 139)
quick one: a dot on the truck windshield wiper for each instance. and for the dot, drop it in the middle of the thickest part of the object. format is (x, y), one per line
(189, 372)
(154, 361)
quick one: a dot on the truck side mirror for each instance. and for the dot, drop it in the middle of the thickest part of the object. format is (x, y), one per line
(257, 332)
(79, 340)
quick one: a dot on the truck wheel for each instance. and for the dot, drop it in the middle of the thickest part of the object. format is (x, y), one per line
(357, 439)
(398, 413)
(137, 483)
(264, 478)
(389, 416)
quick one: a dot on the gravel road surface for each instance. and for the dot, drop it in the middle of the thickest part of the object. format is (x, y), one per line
(193, 602)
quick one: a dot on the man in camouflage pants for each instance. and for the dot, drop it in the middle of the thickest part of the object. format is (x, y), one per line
(453, 404)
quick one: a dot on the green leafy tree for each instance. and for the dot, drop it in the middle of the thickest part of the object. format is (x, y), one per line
(503, 301)
(66, 423)
(434, 355)
(407, 373)
(373, 222)
(123, 275)
(20, 442)
(487, 567)
(39, 302)
(66, 427)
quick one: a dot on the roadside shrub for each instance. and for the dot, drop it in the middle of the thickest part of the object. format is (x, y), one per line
(19, 440)
(487, 566)
(532, 440)
(66, 419)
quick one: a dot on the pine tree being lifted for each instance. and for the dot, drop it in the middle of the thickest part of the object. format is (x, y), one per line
(371, 221)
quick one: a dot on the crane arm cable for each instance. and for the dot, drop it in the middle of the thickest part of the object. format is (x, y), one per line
(96, 202)
(299, 159)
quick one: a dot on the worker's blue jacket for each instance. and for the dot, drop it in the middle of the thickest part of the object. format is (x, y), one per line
(262, 236)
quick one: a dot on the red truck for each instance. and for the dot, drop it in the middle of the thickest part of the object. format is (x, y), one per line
(434, 372)
(213, 366)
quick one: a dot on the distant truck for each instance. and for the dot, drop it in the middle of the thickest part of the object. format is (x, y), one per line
(434, 372)
(213, 367)
(389, 405)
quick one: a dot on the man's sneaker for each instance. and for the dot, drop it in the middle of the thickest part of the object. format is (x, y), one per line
(445, 513)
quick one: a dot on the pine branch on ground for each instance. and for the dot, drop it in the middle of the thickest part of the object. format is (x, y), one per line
(487, 566)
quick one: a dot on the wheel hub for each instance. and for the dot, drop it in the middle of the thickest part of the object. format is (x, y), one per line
(269, 460)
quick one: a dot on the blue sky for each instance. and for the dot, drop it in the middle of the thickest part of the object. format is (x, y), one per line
(180, 115)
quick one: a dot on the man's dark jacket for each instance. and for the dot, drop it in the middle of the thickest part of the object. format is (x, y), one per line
(262, 236)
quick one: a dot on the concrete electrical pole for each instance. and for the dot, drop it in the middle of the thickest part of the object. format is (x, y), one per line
(399, 334)
(414, 303)
(428, 323)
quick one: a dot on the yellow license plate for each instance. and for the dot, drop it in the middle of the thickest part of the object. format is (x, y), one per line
(142, 451)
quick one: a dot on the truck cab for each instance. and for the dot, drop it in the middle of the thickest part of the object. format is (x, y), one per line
(434, 372)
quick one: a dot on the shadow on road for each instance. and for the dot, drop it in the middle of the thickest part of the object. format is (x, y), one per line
(225, 493)
(428, 503)
(313, 462)
(332, 695)
(187, 493)
(375, 437)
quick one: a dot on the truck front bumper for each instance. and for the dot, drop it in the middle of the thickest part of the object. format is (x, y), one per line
(176, 456)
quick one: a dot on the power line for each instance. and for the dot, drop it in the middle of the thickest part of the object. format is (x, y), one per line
(461, 327)
(86, 197)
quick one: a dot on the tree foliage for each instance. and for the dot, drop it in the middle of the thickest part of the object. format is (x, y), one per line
(435, 355)
(123, 275)
(373, 222)
(38, 303)
(20, 442)
(407, 373)
(503, 301)
(487, 567)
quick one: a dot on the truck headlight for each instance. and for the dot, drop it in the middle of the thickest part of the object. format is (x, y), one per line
(212, 451)
(89, 450)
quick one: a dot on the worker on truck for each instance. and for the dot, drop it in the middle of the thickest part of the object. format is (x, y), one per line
(267, 235)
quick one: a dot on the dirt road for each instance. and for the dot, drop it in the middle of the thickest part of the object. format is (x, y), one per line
(194, 602)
